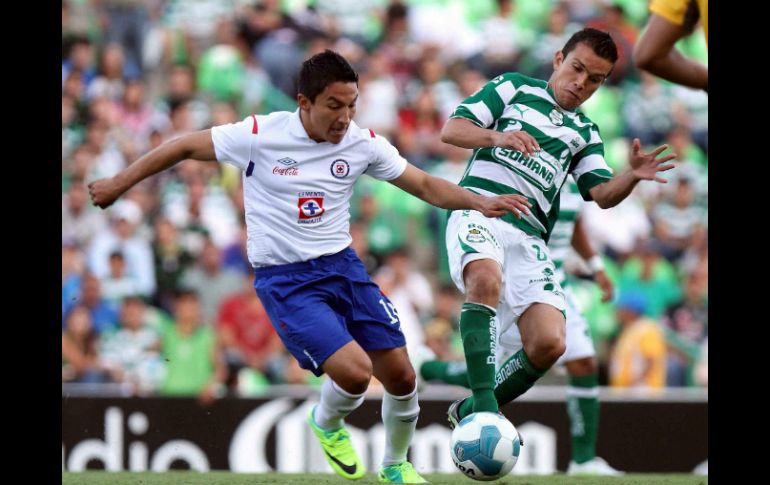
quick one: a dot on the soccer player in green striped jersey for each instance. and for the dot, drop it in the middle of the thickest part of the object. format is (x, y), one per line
(527, 136)
(579, 358)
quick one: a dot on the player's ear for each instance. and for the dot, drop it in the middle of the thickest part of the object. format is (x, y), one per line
(558, 58)
(304, 102)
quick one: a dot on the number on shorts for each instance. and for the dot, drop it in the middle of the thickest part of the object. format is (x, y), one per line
(392, 313)
(540, 255)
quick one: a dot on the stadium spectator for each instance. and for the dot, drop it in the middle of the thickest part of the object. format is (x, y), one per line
(246, 336)
(679, 223)
(686, 327)
(123, 235)
(104, 316)
(79, 349)
(131, 354)
(211, 282)
(639, 356)
(118, 284)
(79, 219)
(170, 260)
(194, 365)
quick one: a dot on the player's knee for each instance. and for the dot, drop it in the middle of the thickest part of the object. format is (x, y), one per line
(357, 378)
(546, 350)
(400, 380)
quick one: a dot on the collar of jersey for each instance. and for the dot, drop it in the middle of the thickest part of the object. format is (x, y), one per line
(555, 103)
(298, 130)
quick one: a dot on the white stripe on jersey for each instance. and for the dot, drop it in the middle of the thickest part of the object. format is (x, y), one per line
(542, 123)
(481, 112)
(506, 91)
(496, 173)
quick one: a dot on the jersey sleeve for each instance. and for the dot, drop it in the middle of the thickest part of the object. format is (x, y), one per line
(386, 162)
(486, 105)
(589, 168)
(232, 142)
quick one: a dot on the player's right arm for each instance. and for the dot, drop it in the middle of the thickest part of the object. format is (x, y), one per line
(468, 127)
(197, 146)
(462, 133)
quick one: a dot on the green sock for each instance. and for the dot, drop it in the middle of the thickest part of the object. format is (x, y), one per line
(447, 372)
(477, 329)
(583, 411)
(513, 379)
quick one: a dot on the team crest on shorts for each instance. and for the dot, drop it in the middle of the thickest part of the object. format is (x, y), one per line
(311, 207)
(475, 236)
(340, 168)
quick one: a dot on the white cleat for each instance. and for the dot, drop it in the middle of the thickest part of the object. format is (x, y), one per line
(594, 466)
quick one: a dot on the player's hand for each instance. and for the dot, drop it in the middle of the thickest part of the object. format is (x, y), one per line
(646, 166)
(608, 289)
(518, 140)
(499, 205)
(104, 192)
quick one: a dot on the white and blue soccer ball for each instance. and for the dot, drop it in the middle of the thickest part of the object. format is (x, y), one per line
(485, 446)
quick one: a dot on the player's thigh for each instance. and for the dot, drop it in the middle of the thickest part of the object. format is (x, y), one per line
(370, 316)
(471, 237)
(301, 315)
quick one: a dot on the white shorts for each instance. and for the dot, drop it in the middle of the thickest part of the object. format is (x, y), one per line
(579, 343)
(528, 272)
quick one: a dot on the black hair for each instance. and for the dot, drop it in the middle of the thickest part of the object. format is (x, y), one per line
(601, 43)
(321, 70)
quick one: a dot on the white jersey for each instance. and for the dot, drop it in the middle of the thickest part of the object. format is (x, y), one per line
(296, 190)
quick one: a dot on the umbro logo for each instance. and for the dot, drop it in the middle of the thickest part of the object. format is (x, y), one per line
(287, 161)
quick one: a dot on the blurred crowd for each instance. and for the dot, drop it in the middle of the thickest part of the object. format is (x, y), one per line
(157, 290)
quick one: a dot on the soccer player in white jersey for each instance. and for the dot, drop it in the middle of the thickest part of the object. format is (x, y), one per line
(579, 358)
(298, 170)
(527, 136)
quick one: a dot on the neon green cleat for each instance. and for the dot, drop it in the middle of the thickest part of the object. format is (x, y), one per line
(402, 472)
(338, 450)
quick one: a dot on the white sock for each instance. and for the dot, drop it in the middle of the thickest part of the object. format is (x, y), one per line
(336, 403)
(399, 414)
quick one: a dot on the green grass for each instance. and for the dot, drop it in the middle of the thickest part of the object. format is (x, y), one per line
(227, 478)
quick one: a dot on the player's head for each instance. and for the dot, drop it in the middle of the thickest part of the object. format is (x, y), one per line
(327, 94)
(581, 67)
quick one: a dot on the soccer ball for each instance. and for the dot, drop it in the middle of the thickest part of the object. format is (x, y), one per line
(485, 446)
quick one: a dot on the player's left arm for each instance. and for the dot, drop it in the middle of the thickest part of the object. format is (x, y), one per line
(643, 166)
(583, 247)
(441, 193)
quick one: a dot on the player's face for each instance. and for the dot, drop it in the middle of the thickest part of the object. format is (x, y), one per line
(576, 77)
(329, 116)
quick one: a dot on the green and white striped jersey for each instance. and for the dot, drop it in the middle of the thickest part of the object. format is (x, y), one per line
(569, 143)
(560, 244)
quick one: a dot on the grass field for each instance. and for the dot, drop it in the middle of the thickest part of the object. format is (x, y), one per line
(227, 478)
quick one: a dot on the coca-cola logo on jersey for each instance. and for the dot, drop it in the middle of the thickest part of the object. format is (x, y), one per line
(290, 171)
